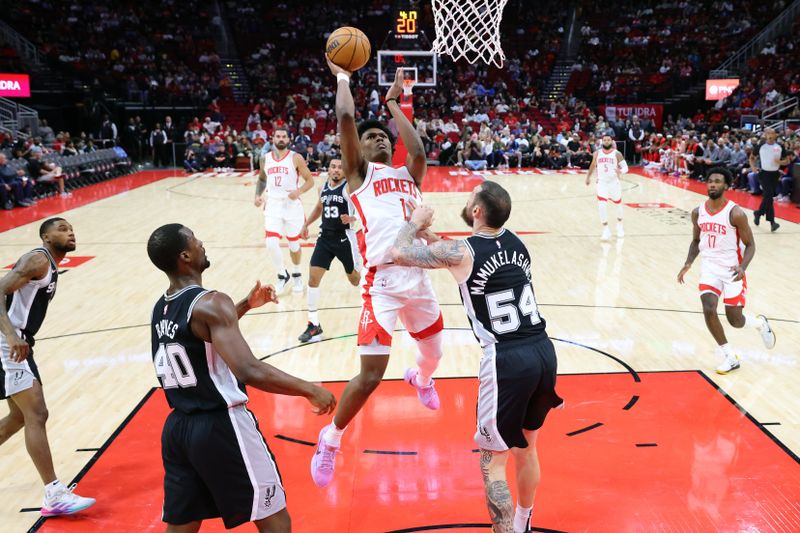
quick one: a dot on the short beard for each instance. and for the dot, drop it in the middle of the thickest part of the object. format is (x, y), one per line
(607, 146)
(337, 179)
(64, 248)
(466, 216)
(715, 195)
(281, 146)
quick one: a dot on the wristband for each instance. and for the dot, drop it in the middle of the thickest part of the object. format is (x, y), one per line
(342, 77)
(392, 100)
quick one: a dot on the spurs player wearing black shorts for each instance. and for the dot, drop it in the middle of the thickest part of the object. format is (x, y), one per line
(336, 240)
(216, 461)
(518, 367)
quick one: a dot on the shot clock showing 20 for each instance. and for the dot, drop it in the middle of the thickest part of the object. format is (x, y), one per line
(406, 25)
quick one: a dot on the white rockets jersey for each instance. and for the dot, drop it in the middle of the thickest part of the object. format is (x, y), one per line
(607, 165)
(281, 175)
(719, 239)
(384, 202)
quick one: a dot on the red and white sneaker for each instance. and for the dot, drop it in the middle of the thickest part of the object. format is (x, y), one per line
(427, 395)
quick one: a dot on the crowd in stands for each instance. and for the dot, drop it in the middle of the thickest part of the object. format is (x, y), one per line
(647, 49)
(156, 53)
(771, 77)
(477, 116)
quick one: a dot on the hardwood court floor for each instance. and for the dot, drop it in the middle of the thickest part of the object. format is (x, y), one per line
(620, 298)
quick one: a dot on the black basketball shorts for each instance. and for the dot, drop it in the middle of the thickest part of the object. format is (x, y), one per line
(342, 246)
(517, 390)
(217, 464)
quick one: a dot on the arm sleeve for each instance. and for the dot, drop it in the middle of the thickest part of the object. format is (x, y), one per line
(623, 166)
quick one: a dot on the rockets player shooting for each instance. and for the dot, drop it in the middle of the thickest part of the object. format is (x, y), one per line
(384, 198)
(610, 166)
(281, 170)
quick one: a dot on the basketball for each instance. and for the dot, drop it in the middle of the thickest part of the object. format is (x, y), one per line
(349, 48)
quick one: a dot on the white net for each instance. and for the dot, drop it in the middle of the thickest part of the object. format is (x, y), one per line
(469, 29)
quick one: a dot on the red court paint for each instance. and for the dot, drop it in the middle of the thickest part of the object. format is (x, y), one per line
(668, 453)
(650, 205)
(56, 205)
(785, 211)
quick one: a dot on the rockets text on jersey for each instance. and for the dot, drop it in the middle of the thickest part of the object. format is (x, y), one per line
(384, 202)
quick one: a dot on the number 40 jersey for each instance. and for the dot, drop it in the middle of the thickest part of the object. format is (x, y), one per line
(498, 295)
(194, 377)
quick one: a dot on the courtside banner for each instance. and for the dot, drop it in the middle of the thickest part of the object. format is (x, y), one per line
(654, 112)
(719, 89)
(15, 85)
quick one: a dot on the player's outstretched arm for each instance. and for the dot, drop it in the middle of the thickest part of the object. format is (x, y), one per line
(417, 161)
(29, 267)
(354, 165)
(449, 254)
(694, 247)
(305, 173)
(259, 295)
(215, 320)
(739, 221)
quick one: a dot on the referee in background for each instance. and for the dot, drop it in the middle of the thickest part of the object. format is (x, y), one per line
(772, 156)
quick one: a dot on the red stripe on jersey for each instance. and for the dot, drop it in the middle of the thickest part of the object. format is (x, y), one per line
(600, 198)
(282, 158)
(431, 330)
(272, 234)
(368, 327)
(709, 288)
(357, 205)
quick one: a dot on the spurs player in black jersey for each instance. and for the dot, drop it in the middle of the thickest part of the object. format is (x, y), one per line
(216, 461)
(518, 367)
(336, 240)
(27, 291)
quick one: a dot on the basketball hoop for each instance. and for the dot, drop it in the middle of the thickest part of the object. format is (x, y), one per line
(408, 84)
(469, 29)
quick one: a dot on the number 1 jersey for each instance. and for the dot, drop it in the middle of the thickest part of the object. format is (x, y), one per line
(194, 377)
(384, 202)
(498, 295)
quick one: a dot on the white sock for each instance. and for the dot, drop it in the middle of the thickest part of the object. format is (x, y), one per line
(52, 488)
(603, 208)
(274, 249)
(752, 322)
(313, 298)
(727, 351)
(430, 352)
(333, 437)
(295, 269)
(521, 519)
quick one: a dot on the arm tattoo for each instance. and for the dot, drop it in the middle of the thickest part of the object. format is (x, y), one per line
(260, 186)
(446, 253)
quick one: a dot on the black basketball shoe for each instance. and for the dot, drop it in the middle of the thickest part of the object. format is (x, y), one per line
(312, 333)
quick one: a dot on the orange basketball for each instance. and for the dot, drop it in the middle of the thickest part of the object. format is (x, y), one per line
(348, 48)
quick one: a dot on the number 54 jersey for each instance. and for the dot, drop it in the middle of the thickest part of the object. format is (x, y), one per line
(194, 377)
(498, 295)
